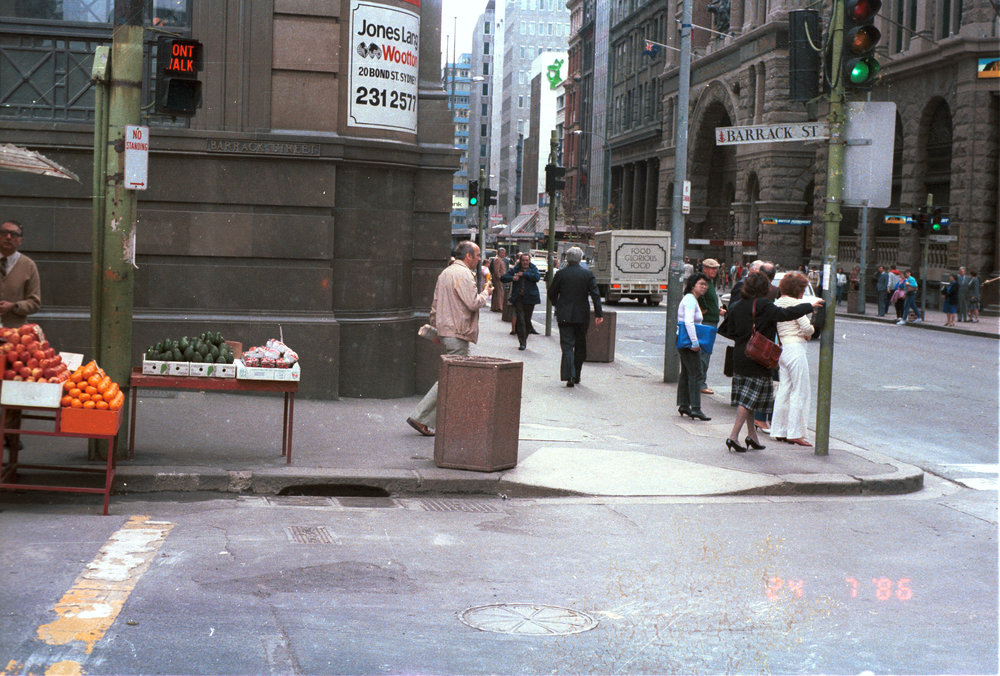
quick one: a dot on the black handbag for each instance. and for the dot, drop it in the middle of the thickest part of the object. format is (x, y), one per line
(727, 364)
(759, 348)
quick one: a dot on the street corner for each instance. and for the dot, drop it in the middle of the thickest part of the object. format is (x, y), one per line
(593, 471)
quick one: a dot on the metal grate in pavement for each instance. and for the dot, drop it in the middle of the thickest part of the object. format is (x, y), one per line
(440, 505)
(310, 535)
(299, 501)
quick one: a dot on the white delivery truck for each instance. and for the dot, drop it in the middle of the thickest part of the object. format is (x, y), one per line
(632, 264)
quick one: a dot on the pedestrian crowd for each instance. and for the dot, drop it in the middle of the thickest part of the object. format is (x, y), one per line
(768, 321)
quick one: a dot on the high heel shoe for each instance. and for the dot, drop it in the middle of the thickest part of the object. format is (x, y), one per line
(755, 445)
(697, 414)
(683, 411)
(735, 446)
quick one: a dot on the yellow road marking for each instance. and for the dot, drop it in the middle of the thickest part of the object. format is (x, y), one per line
(88, 609)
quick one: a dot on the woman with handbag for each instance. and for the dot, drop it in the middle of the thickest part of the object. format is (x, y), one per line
(791, 403)
(753, 326)
(688, 316)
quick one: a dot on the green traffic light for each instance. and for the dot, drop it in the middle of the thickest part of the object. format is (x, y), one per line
(859, 72)
(473, 201)
(936, 227)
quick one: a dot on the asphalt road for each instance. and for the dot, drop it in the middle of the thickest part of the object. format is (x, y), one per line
(928, 398)
(255, 585)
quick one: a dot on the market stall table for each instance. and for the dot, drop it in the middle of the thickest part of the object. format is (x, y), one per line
(288, 387)
(8, 472)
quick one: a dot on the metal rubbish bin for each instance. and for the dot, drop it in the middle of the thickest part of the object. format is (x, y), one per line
(478, 413)
(601, 339)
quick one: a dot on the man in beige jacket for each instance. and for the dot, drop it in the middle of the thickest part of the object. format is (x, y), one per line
(455, 315)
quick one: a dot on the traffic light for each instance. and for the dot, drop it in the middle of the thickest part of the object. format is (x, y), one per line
(178, 89)
(860, 39)
(922, 220)
(491, 197)
(940, 224)
(803, 59)
(473, 193)
(555, 178)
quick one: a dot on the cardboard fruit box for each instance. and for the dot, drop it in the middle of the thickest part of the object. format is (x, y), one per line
(89, 421)
(23, 393)
(267, 373)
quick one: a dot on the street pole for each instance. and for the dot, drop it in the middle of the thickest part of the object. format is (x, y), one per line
(101, 77)
(553, 156)
(671, 360)
(479, 206)
(118, 264)
(860, 309)
(831, 219)
(923, 264)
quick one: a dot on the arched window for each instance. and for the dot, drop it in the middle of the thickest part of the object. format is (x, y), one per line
(937, 177)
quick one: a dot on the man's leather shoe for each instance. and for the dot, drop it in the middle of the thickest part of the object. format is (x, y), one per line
(570, 383)
(420, 427)
(707, 390)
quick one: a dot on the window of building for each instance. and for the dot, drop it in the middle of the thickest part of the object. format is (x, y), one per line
(482, 129)
(524, 27)
(482, 150)
(486, 27)
(486, 69)
(172, 13)
(520, 126)
(486, 48)
(486, 89)
(486, 110)
(520, 102)
(531, 28)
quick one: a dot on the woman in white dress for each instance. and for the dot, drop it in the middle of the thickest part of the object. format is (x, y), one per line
(791, 403)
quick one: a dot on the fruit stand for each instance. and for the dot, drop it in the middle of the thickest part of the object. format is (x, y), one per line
(208, 362)
(84, 403)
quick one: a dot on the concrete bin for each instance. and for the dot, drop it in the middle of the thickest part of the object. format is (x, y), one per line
(478, 413)
(601, 339)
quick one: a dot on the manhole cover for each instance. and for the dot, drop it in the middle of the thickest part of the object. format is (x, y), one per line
(528, 619)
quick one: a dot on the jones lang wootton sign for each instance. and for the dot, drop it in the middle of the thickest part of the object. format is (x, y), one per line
(384, 53)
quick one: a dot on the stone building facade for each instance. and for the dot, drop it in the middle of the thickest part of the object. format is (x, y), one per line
(946, 139)
(291, 202)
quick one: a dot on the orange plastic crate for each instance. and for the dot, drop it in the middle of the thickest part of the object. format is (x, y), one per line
(90, 421)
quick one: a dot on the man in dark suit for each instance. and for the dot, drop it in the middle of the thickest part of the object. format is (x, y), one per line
(568, 294)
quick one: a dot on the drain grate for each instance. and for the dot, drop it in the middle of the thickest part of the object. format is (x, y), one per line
(527, 619)
(310, 535)
(298, 501)
(439, 505)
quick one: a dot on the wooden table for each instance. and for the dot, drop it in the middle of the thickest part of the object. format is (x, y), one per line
(288, 387)
(8, 473)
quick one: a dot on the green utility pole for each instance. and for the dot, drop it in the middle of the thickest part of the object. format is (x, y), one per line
(671, 360)
(553, 157)
(923, 263)
(101, 77)
(479, 205)
(118, 254)
(831, 219)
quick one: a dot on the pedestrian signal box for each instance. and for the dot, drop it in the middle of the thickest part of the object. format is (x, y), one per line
(178, 63)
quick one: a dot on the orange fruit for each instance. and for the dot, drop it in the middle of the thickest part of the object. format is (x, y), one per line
(91, 390)
(66, 400)
(74, 391)
(89, 404)
(101, 405)
(84, 397)
(76, 403)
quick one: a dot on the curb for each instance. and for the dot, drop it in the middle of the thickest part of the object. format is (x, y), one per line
(906, 479)
(923, 325)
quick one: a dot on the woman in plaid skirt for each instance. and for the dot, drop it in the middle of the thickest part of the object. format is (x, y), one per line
(752, 389)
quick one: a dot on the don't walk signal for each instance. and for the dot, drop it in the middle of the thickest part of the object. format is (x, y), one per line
(178, 89)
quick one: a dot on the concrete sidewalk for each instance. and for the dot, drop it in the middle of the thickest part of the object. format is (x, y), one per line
(615, 434)
(987, 327)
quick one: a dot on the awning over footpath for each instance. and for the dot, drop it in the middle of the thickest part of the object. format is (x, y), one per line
(15, 158)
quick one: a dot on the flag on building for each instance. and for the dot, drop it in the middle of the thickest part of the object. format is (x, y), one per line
(651, 49)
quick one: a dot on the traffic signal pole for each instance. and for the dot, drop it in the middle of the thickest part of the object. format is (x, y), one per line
(117, 280)
(831, 218)
(671, 360)
(553, 157)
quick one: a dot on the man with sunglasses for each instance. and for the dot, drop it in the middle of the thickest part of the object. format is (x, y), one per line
(20, 288)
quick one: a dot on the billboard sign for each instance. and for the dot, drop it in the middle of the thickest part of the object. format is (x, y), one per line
(383, 77)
